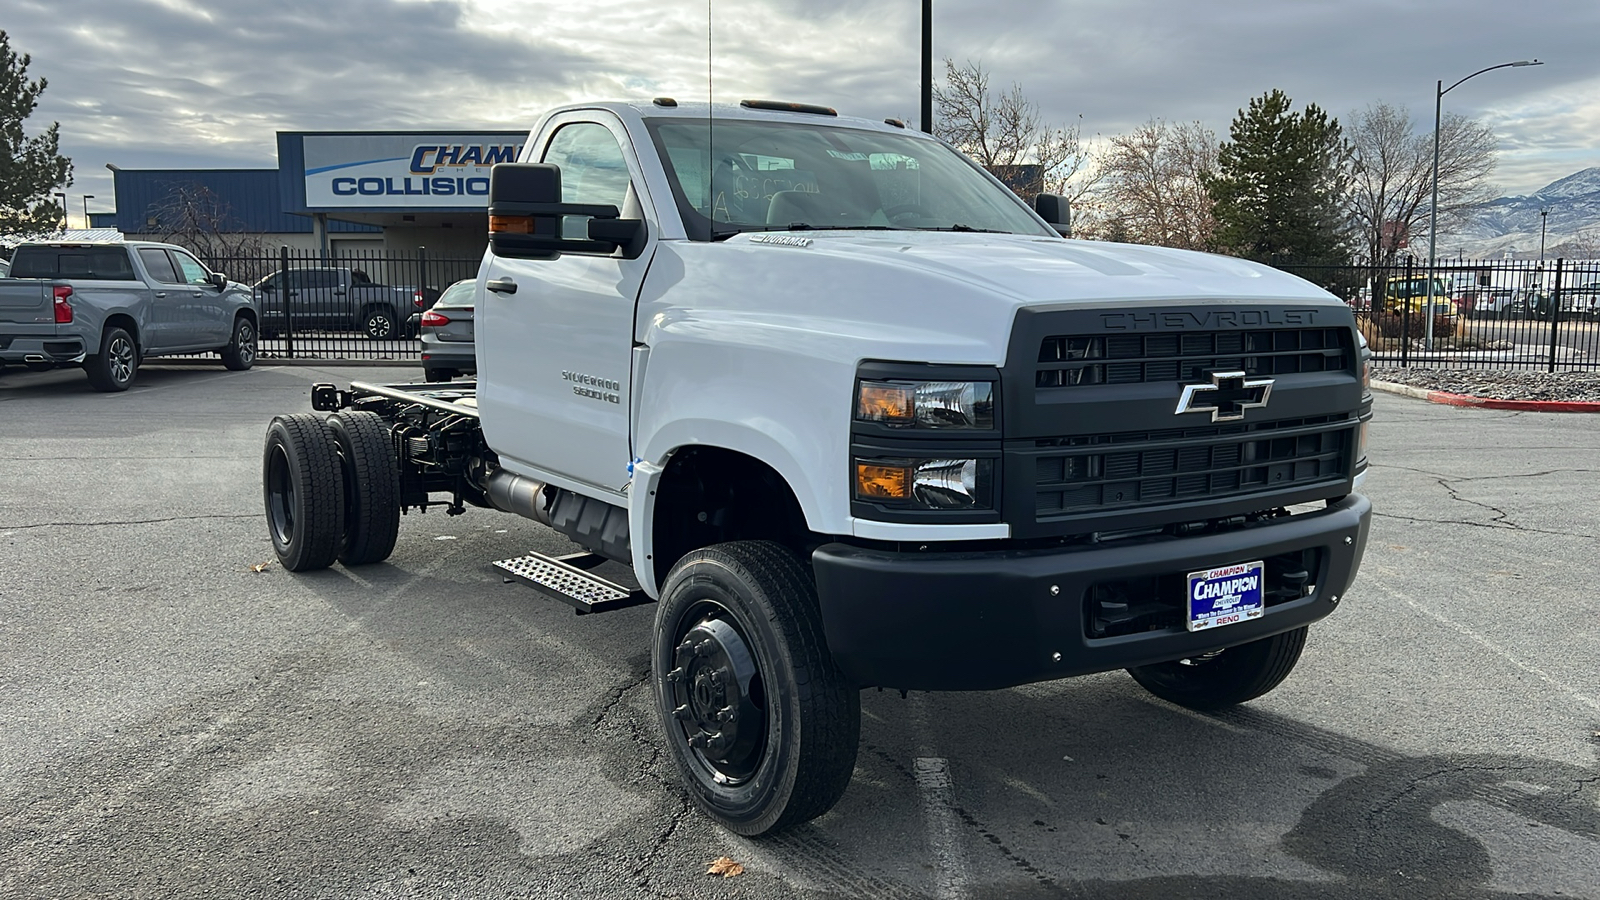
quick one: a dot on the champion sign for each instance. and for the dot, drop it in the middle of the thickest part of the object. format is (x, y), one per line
(1225, 596)
(404, 171)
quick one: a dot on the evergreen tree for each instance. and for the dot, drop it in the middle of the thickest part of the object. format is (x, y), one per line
(1280, 186)
(30, 168)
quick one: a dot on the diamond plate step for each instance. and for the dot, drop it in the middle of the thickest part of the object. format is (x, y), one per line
(564, 579)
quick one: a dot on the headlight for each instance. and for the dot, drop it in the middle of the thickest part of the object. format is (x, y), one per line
(927, 404)
(1361, 442)
(926, 483)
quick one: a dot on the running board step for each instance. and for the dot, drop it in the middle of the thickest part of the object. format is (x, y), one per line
(563, 578)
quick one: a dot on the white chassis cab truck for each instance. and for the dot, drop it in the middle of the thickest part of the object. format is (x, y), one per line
(851, 415)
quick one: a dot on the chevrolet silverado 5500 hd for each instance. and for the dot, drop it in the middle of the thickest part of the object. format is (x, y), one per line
(851, 414)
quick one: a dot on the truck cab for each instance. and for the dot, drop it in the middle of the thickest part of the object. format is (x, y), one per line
(852, 415)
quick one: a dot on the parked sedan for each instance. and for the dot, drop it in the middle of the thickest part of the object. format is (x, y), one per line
(447, 335)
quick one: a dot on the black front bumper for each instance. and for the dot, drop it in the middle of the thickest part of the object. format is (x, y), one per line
(978, 621)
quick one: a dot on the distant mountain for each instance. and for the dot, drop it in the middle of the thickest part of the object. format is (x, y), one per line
(1511, 224)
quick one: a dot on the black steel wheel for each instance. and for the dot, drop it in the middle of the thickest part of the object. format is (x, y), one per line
(1224, 677)
(371, 486)
(303, 484)
(240, 354)
(379, 324)
(113, 368)
(761, 723)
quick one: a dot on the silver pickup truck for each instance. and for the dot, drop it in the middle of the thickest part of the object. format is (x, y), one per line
(108, 306)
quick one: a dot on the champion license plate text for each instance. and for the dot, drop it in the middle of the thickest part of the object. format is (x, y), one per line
(1225, 596)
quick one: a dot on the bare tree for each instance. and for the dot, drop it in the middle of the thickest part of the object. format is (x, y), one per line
(1391, 176)
(1153, 190)
(191, 215)
(1585, 245)
(1007, 130)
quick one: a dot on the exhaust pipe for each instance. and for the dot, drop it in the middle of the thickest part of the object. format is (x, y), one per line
(512, 493)
(35, 358)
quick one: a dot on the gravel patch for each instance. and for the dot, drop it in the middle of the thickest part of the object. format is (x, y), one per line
(1498, 385)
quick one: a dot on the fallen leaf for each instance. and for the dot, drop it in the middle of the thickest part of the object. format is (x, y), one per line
(725, 867)
(258, 568)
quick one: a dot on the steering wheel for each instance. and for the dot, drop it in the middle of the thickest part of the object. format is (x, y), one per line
(907, 209)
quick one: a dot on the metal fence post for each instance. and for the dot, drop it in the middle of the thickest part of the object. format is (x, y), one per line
(283, 297)
(1555, 315)
(1405, 316)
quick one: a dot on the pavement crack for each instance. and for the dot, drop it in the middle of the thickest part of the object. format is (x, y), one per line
(1494, 526)
(1500, 515)
(617, 694)
(127, 522)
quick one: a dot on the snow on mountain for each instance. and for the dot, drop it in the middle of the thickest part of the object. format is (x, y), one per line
(1511, 224)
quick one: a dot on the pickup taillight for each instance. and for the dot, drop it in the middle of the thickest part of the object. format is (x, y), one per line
(63, 308)
(435, 319)
(417, 299)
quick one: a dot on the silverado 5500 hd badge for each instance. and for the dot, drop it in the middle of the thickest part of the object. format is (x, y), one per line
(602, 389)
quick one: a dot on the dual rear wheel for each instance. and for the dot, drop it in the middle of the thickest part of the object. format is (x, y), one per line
(332, 490)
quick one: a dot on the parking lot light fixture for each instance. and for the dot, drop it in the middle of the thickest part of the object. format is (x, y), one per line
(1433, 213)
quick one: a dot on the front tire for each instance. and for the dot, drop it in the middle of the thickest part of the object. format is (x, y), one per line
(240, 354)
(303, 484)
(1226, 677)
(371, 486)
(761, 723)
(113, 368)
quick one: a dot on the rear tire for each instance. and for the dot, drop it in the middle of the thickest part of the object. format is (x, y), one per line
(1227, 677)
(240, 354)
(434, 375)
(761, 723)
(113, 368)
(379, 324)
(303, 485)
(371, 486)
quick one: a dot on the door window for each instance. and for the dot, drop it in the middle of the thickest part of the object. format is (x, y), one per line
(192, 271)
(159, 265)
(593, 170)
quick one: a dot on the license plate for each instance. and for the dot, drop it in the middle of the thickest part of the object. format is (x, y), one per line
(1225, 596)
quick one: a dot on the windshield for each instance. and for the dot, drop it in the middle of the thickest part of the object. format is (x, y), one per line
(767, 176)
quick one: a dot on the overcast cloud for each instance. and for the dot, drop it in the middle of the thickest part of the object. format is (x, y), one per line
(206, 83)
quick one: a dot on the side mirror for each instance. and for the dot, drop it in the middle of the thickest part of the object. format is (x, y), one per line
(526, 216)
(1054, 209)
(217, 280)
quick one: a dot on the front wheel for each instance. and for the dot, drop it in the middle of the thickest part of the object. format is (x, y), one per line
(240, 354)
(761, 723)
(379, 324)
(1224, 677)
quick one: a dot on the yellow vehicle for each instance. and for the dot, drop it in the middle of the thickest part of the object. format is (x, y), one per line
(1400, 292)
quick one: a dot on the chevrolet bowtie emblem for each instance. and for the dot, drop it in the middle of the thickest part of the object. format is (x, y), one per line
(1227, 396)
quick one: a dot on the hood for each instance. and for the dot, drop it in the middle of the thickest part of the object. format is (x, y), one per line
(1031, 270)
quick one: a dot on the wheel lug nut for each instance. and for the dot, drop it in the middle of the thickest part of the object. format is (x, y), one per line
(686, 646)
(727, 714)
(682, 713)
(675, 676)
(698, 740)
(704, 648)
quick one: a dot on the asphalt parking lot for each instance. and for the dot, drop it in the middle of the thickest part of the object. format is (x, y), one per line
(176, 724)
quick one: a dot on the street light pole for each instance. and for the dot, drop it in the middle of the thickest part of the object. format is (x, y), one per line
(927, 66)
(86, 199)
(1542, 214)
(1439, 91)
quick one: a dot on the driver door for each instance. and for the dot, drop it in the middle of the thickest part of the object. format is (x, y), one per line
(555, 357)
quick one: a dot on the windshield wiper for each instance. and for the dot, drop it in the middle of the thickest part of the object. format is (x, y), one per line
(804, 226)
(960, 227)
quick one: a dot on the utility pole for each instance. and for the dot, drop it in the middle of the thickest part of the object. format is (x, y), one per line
(927, 66)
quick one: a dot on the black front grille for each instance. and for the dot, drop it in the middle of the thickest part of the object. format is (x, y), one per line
(1091, 473)
(1071, 360)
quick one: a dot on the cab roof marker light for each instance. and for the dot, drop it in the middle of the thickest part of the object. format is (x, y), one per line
(895, 122)
(781, 106)
(665, 102)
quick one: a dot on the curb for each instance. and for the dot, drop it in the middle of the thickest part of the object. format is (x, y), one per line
(1449, 399)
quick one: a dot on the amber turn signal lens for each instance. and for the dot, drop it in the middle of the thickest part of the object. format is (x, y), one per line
(885, 402)
(511, 224)
(882, 482)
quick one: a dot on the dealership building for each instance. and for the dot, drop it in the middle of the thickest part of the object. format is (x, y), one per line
(338, 193)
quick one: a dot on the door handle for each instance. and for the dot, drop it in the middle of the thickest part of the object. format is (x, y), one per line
(502, 286)
(160, 294)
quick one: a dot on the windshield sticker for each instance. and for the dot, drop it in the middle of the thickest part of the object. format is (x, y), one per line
(855, 156)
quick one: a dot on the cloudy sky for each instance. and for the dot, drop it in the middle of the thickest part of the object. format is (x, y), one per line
(206, 83)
